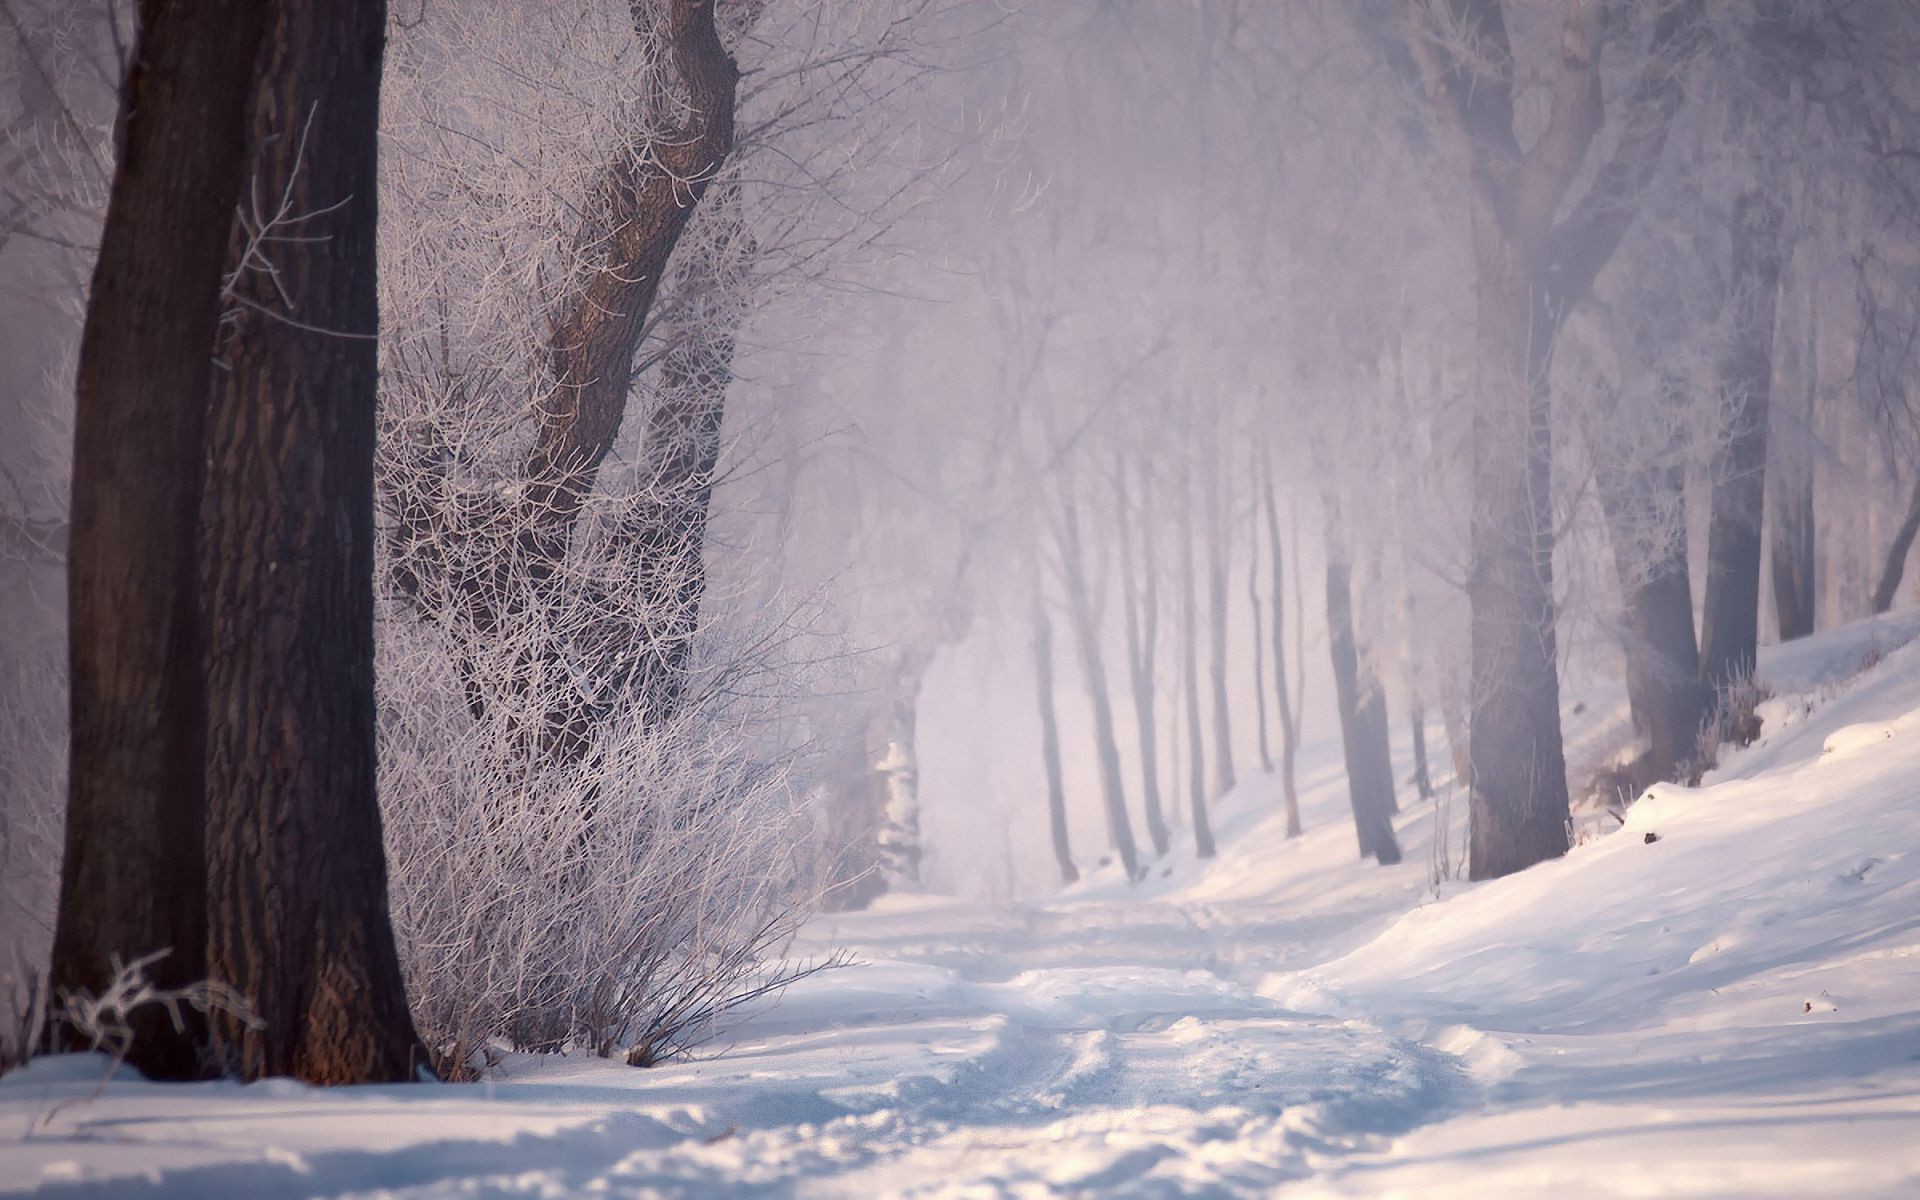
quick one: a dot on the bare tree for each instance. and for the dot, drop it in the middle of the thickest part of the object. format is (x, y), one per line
(1532, 265)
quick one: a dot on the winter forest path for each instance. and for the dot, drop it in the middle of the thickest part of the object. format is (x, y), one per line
(1718, 999)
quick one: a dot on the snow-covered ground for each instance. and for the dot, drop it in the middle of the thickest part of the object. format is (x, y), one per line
(1722, 998)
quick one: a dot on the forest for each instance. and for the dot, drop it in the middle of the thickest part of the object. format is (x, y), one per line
(546, 536)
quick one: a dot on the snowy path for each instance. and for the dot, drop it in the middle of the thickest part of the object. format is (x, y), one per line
(1720, 1000)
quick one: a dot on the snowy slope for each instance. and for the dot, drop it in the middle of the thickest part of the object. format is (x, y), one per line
(1731, 1009)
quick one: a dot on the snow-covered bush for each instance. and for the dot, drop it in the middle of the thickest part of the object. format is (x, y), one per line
(626, 901)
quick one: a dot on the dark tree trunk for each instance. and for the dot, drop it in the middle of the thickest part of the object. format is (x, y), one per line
(1289, 732)
(1363, 718)
(1050, 742)
(1730, 620)
(1645, 506)
(132, 879)
(1094, 673)
(1139, 595)
(1190, 681)
(1224, 776)
(297, 881)
(1896, 562)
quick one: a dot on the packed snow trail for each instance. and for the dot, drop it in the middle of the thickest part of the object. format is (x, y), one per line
(1720, 999)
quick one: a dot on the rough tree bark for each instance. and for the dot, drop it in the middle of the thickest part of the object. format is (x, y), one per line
(1140, 597)
(297, 881)
(1730, 616)
(1050, 741)
(1289, 732)
(132, 877)
(1530, 268)
(1363, 715)
(1086, 631)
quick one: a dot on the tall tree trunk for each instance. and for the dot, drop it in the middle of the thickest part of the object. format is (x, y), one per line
(1190, 679)
(1518, 809)
(1645, 506)
(1139, 596)
(132, 878)
(1050, 741)
(1093, 671)
(297, 880)
(1730, 621)
(1363, 716)
(1218, 554)
(1896, 562)
(1289, 732)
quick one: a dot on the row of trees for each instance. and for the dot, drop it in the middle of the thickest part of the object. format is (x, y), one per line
(1582, 328)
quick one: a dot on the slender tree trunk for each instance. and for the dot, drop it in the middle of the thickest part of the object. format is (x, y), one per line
(1289, 732)
(1141, 604)
(297, 891)
(1363, 717)
(1422, 776)
(1093, 671)
(896, 769)
(1217, 555)
(1190, 679)
(1896, 562)
(132, 878)
(1731, 618)
(1791, 529)
(1050, 741)
(1259, 646)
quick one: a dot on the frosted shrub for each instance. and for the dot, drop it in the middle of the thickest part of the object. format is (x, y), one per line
(624, 900)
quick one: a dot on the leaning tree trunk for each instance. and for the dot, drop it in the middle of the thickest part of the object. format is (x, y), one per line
(1896, 561)
(1094, 673)
(1363, 717)
(1289, 732)
(132, 877)
(1141, 606)
(1050, 742)
(1190, 681)
(1217, 558)
(1730, 621)
(297, 879)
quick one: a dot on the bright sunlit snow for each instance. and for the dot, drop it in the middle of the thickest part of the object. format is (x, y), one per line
(1716, 999)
